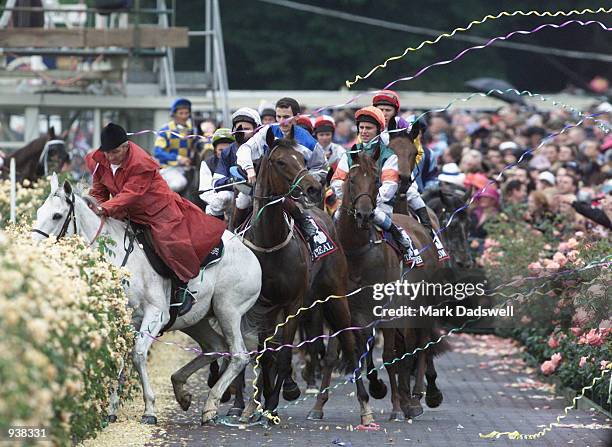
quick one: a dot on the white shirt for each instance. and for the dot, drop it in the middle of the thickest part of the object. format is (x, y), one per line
(114, 168)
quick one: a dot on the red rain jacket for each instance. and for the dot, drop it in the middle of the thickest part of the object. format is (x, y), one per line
(182, 233)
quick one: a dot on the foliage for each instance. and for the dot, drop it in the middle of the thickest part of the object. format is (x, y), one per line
(567, 326)
(66, 331)
(273, 47)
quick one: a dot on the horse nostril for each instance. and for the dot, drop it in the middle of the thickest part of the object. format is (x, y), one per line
(371, 216)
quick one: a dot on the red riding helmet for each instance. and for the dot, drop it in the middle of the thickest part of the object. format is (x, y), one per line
(305, 122)
(372, 115)
(388, 98)
(324, 123)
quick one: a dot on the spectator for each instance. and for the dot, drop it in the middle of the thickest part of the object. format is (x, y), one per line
(515, 193)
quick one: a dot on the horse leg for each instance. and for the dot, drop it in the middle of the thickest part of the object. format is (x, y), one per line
(214, 374)
(114, 401)
(338, 316)
(313, 327)
(179, 378)
(208, 340)
(433, 395)
(392, 370)
(329, 361)
(283, 363)
(229, 320)
(153, 321)
(377, 388)
(238, 406)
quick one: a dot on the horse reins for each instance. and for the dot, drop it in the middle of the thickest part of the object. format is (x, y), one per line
(352, 211)
(71, 217)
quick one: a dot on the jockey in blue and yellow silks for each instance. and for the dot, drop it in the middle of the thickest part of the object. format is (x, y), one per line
(173, 150)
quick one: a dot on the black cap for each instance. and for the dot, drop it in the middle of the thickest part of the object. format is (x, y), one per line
(113, 136)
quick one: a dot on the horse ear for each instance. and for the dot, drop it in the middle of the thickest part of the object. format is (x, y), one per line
(270, 138)
(54, 183)
(51, 133)
(416, 129)
(67, 188)
(354, 154)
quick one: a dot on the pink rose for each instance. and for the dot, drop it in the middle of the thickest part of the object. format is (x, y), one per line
(604, 364)
(594, 338)
(581, 317)
(488, 243)
(552, 342)
(556, 359)
(572, 255)
(583, 361)
(560, 259)
(552, 265)
(576, 331)
(534, 266)
(547, 247)
(563, 247)
(548, 368)
(573, 243)
(582, 340)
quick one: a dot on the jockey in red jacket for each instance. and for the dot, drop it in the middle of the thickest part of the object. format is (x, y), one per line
(127, 183)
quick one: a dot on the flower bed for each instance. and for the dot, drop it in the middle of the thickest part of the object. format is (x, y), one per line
(65, 331)
(566, 326)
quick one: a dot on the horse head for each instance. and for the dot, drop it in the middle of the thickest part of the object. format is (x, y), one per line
(283, 172)
(445, 201)
(54, 154)
(361, 188)
(56, 216)
(404, 144)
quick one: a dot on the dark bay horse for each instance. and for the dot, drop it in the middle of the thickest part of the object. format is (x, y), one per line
(288, 274)
(38, 158)
(373, 261)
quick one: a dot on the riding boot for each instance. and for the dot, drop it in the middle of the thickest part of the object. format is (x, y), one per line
(239, 217)
(181, 297)
(304, 223)
(402, 238)
(424, 218)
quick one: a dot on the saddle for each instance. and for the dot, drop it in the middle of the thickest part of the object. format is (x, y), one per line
(145, 240)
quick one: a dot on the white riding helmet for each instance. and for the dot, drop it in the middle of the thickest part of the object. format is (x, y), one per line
(246, 114)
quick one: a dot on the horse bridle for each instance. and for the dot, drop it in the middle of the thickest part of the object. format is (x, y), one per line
(293, 184)
(352, 211)
(71, 217)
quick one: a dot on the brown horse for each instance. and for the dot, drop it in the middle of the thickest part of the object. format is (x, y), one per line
(403, 144)
(288, 274)
(373, 261)
(42, 156)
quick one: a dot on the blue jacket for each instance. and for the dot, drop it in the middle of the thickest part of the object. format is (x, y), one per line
(227, 159)
(426, 172)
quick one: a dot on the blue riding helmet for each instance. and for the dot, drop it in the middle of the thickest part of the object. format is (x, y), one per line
(179, 103)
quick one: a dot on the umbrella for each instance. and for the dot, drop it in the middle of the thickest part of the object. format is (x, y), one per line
(486, 84)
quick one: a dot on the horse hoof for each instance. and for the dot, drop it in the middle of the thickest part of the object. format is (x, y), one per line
(434, 399)
(185, 401)
(148, 420)
(312, 390)
(315, 415)
(111, 418)
(226, 396)
(234, 412)
(210, 419)
(413, 411)
(397, 416)
(291, 392)
(377, 389)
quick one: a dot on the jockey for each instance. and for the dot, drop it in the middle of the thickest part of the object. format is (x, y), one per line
(324, 128)
(182, 234)
(221, 139)
(305, 123)
(267, 114)
(253, 149)
(244, 122)
(173, 150)
(371, 122)
(387, 101)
